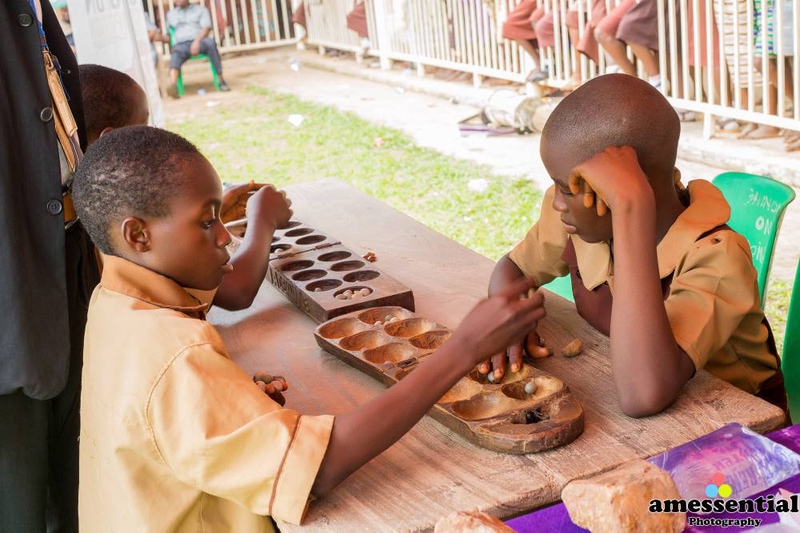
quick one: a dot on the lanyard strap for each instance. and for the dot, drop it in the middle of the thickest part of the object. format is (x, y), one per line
(37, 12)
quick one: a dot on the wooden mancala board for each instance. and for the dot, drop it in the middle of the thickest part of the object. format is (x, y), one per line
(326, 279)
(389, 342)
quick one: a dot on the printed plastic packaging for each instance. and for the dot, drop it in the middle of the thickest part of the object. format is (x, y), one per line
(732, 461)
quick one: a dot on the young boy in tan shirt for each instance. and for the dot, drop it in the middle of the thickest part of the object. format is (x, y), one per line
(175, 436)
(617, 220)
(112, 99)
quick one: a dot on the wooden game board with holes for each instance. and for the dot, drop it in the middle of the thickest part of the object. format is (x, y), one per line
(325, 278)
(527, 411)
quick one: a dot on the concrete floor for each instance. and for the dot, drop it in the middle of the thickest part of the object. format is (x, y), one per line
(429, 109)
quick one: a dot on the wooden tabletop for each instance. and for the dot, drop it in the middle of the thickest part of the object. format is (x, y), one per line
(432, 471)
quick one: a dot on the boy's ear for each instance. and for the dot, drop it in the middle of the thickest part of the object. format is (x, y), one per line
(105, 130)
(135, 234)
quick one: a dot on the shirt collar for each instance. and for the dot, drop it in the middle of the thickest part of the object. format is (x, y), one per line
(136, 281)
(707, 210)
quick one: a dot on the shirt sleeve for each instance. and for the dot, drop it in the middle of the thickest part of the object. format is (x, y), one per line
(715, 287)
(205, 18)
(538, 255)
(218, 432)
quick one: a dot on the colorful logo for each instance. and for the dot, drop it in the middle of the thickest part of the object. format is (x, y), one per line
(718, 487)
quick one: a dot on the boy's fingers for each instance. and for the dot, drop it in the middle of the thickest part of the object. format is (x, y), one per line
(602, 207)
(515, 357)
(261, 385)
(574, 182)
(499, 366)
(484, 367)
(515, 289)
(588, 195)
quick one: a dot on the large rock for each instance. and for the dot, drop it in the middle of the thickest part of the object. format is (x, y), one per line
(618, 501)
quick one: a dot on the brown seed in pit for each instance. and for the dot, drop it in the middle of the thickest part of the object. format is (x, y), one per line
(573, 348)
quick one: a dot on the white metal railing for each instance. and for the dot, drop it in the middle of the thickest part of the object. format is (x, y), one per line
(454, 34)
(238, 24)
(326, 25)
(720, 77)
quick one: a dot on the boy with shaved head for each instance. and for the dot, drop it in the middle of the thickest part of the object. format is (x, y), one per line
(619, 222)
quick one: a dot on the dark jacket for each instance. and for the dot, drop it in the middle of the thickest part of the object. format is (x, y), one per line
(34, 322)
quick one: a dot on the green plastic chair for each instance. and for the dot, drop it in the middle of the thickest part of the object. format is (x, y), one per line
(179, 84)
(757, 207)
(790, 361)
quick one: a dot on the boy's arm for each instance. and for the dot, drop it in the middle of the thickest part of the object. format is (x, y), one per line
(267, 210)
(504, 274)
(363, 433)
(649, 367)
(538, 256)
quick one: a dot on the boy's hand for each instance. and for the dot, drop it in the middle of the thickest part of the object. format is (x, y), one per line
(273, 386)
(234, 200)
(500, 321)
(497, 365)
(608, 177)
(269, 206)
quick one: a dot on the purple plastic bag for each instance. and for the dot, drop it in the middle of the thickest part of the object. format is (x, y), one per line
(734, 456)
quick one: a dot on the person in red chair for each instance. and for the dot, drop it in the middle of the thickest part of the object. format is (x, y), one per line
(191, 26)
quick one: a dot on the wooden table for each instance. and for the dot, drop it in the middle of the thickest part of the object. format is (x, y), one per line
(432, 471)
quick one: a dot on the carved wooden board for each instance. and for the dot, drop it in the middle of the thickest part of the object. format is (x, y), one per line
(525, 412)
(326, 279)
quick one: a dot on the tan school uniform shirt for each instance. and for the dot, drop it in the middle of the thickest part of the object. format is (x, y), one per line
(174, 435)
(713, 305)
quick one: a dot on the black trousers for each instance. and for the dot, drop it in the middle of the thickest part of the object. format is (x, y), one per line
(39, 438)
(180, 54)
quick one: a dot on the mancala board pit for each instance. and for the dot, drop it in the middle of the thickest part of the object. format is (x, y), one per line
(388, 343)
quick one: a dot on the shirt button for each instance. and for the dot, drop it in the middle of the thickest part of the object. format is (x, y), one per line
(54, 207)
(25, 20)
(46, 114)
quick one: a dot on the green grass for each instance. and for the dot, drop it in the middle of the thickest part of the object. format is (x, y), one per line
(779, 293)
(256, 141)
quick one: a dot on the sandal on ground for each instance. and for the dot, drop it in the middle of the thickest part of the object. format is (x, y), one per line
(686, 115)
(727, 125)
(790, 136)
(759, 132)
(793, 146)
(537, 75)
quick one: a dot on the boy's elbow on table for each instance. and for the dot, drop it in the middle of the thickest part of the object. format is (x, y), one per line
(641, 401)
(235, 299)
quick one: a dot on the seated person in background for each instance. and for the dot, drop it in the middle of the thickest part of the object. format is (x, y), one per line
(112, 99)
(192, 25)
(617, 220)
(181, 438)
(519, 27)
(357, 22)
